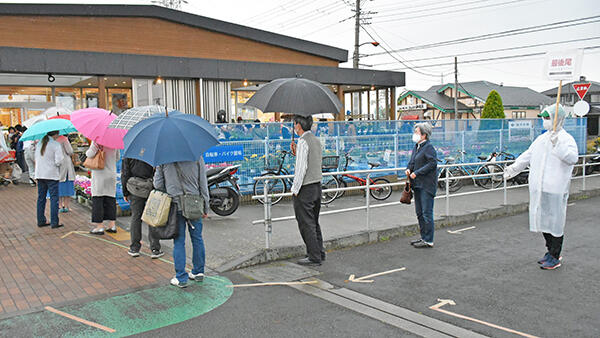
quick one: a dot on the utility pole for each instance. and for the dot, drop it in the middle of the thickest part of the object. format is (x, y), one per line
(356, 35)
(455, 87)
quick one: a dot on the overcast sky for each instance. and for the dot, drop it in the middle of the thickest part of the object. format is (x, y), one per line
(405, 23)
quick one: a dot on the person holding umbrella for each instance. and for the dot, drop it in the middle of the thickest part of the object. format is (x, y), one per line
(306, 189)
(48, 158)
(550, 158)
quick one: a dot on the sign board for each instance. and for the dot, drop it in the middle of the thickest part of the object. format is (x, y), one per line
(420, 106)
(581, 108)
(519, 124)
(581, 89)
(563, 65)
(219, 154)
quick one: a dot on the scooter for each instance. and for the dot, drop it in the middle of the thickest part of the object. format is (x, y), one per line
(590, 168)
(224, 199)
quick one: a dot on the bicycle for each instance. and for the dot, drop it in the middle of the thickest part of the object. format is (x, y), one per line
(282, 185)
(493, 170)
(378, 193)
(522, 177)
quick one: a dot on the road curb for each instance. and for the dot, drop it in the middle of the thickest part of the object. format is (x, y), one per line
(374, 236)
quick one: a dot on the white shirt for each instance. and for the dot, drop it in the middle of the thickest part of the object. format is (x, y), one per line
(301, 164)
(47, 165)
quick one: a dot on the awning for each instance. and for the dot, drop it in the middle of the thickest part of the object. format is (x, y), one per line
(410, 117)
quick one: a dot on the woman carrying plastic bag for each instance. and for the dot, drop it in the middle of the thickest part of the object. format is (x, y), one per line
(551, 158)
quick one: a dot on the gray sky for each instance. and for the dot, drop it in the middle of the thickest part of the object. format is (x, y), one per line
(406, 23)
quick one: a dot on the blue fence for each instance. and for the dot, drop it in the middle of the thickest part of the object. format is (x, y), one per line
(385, 142)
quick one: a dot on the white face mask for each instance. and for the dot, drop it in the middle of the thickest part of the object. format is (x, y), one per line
(416, 138)
(548, 124)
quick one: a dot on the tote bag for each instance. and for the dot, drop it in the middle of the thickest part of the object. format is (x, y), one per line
(156, 212)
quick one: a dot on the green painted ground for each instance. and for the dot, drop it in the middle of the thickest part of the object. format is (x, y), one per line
(128, 314)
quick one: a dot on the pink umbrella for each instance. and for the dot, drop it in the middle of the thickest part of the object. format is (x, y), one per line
(93, 124)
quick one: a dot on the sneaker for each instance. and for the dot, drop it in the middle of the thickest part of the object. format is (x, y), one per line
(133, 253)
(156, 254)
(423, 244)
(56, 226)
(307, 261)
(413, 242)
(551, 264)
(199, 277)
(546, 257)
(177, 283)
(112, 230)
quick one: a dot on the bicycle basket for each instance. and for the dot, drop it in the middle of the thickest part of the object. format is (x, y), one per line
(330, 162)
(272, 162)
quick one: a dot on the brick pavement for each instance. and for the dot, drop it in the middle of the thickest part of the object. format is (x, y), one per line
(39, 268)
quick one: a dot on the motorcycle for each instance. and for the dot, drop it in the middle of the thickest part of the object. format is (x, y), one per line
(590, 168)
(224, 199)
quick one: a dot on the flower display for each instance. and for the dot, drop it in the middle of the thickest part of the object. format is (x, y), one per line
(84, 185)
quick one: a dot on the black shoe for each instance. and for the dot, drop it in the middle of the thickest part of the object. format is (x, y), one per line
(323, 257)
(43, 225)
(112, 230)
(422, 245)
(307, 261)
(133, 253)
(56, 226)
(97, 231)
(157, 254)
(416, 241)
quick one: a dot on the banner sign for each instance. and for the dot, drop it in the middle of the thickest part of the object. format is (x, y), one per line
(229, 153)
(519, 124)
(419, 106)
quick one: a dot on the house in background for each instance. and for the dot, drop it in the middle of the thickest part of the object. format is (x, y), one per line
(519, 102)
(568, 97)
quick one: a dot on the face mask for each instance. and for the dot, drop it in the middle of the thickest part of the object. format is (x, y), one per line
(548, 124)
(416, 138)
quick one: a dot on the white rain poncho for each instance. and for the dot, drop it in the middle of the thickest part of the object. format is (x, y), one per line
(550, 158)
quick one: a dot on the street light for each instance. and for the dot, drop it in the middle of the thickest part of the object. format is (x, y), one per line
(356, 56)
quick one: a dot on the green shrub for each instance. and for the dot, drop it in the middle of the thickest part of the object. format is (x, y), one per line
(493, 108)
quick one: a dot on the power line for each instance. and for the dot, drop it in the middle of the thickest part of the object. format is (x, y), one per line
(308, 17)
(489, 59)
(495, 50)
(282, 8)
(444, 7)
(511, 32)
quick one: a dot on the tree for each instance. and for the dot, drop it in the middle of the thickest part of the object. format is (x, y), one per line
(493, 108)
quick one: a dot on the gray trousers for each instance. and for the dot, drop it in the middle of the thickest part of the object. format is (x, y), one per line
(307, 206)
(30, 160)
(137, 208)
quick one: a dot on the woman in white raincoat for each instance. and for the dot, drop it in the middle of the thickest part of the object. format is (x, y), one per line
(550, 158)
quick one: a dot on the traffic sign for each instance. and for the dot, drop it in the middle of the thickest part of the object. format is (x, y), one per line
(581, 108)
(581, 89)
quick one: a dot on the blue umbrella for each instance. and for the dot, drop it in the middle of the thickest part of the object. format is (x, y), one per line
(40, 129)
(165, 138)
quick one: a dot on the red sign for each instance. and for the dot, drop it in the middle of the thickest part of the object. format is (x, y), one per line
(581, 89)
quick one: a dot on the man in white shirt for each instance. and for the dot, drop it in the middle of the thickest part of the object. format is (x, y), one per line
(306, 189)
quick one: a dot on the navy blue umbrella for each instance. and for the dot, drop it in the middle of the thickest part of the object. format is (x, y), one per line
(169, 138)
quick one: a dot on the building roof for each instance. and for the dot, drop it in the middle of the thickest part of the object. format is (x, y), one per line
(437, 100)
(511, 96)
(150, 11)
(568, 88)
(68, 62)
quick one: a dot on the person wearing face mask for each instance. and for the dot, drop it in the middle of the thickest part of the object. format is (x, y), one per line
(422, 172)
(550, 158)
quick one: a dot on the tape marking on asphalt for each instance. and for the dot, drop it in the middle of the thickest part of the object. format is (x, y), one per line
(460, 230)
(442, 302)
(365, 279)
(81, 320)
(272, 284)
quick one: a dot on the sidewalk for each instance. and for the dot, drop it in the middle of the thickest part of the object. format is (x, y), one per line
(39, 268)
(234, 239)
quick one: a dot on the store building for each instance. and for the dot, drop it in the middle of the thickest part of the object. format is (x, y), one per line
(119, 56)
(568, 97)
(519, 102)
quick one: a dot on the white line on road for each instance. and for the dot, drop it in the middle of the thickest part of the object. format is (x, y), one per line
(460, 230)
(366, 279)
(272, 284)
(442, 302)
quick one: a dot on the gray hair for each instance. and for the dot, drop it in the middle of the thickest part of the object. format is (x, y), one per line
(425, 129)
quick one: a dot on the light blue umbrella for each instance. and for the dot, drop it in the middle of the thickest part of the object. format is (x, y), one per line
(169, 138)
(40, 129)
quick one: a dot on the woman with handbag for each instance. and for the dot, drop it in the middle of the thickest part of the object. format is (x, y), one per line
(422, 172)
(66, 188)
(102, 162)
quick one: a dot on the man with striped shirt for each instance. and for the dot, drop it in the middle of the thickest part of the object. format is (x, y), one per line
(306, 190)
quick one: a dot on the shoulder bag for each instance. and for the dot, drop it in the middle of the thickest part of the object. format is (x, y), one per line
(407, 194)
(140, 187)
(170, 230)
(191, 205)
(96, 162)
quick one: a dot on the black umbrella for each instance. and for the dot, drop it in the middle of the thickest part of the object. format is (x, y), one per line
(295, 96)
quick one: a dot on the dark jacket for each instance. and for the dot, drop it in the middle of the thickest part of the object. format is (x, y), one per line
(423, 162)
(134, 168)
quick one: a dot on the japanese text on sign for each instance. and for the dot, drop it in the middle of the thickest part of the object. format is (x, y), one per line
(224, 154)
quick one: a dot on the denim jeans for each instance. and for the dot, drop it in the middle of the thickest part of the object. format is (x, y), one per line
(424, 210)
(44, 187)
(179, 248)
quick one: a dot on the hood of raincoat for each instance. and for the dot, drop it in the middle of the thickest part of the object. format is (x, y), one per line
(550, 111)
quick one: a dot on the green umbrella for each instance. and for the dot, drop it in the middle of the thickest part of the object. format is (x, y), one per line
(40, 129)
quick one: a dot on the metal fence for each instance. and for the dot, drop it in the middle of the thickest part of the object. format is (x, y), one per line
(267, 197)
(386, 142)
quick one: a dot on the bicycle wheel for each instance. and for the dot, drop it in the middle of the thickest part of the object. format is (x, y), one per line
(380, 193)
(454, 184)
(276, 186)
(492, 181)
(342, 184)
(329, 182)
